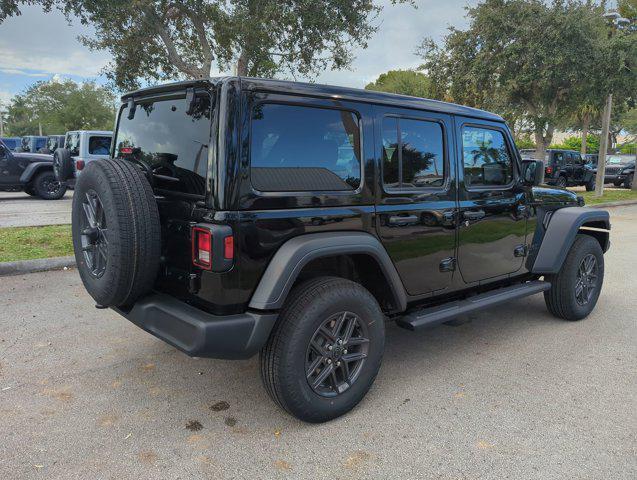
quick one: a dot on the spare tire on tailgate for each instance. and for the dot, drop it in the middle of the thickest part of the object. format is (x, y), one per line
(116, 232)
(62, 164)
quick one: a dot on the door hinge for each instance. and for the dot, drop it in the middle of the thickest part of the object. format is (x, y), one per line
(521, 251)
(448, 264)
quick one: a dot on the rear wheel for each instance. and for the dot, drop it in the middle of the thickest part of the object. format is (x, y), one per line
(576, 287)
(590, 185)
(47, 187)
(116, 232)
(325, 351)
(561, 181)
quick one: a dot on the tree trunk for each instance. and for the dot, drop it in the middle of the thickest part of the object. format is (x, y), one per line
(586, 121)
(242, 64)
(603, 147)
(542, 140)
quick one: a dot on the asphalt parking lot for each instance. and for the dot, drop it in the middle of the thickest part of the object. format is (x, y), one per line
(513, 394)
(17, 209)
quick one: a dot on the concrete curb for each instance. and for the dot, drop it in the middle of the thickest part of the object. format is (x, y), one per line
(620, 203)
(37, 265)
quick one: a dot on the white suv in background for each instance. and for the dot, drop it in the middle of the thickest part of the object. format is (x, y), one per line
(80, 147)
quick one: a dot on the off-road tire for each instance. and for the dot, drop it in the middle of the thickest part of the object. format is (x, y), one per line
(561, 181)
(590, 185)
(283, 358)
(62, 164)
(628, 183)
(560, 298)
(133, 231)
(617, 184)
(42, 186)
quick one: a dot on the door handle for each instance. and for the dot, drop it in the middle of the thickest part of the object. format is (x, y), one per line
(398, 220)
(473, 214)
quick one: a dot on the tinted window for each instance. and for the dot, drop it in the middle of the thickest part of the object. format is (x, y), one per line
(72, 143)
(40, 143)
(304, 149)
(171, 139)
(99, 145)
(558, 157)
(413, 154)
(486, 158)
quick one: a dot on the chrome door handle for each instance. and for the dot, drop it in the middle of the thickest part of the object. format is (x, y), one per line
(398, 220)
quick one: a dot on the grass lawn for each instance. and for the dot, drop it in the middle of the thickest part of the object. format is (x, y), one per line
(610, 195)
(26, 243)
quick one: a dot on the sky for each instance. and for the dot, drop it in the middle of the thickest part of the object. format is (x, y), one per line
(38, 46)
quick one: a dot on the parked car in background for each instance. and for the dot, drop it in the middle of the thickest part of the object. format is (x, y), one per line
(53, 142)
(80, 147)
(12, 143)
(29, 172)
(592, 158)
(32, 143)
(620, 170)
(565, 168)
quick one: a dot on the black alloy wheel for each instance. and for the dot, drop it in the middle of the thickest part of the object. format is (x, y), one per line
(336, 354)
(586, 283)
(94, 234)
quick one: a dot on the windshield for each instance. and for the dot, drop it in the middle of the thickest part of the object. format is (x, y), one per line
(170, 136)
(613, 159)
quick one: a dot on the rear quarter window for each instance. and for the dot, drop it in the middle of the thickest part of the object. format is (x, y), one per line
(302, 149)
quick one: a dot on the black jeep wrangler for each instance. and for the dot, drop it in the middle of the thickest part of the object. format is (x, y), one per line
(567, 168)
(29, 172)
(242, 216)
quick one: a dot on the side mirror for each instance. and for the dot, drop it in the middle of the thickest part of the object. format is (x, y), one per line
(532, 172)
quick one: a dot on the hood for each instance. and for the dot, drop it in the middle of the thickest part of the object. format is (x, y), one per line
(34, 157)
(555, 196)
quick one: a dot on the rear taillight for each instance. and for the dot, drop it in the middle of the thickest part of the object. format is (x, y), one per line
(79, 164)
(228, 248)
(202, 248)
(549, 170)
(212, 247)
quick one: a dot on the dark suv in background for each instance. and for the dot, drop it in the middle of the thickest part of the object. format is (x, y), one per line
(566, 168)
(238, 216)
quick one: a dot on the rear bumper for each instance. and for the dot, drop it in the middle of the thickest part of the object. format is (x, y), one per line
(198, 333)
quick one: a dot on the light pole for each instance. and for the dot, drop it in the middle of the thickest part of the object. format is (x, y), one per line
(616, 21)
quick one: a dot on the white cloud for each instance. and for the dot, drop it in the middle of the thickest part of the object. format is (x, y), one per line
(45, 43)
(17, 71)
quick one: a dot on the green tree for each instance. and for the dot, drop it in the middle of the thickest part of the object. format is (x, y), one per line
(165, 39)
(575, 143)
(405, 82)
(59, 107)
(525, 56)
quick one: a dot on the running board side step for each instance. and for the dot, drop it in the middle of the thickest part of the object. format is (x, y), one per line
(435, 315)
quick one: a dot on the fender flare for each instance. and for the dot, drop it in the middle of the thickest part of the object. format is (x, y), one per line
(33, 169)
(560, 234)
(293, 255)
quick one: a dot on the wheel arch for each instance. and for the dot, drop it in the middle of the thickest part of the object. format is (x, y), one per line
(34, 169)
(297, 259)
(561, 231)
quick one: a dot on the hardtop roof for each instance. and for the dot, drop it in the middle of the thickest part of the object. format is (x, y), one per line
(325, 91)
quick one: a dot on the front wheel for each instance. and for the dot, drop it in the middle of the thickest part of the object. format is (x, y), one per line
(576, 287)
(628, 183)
(325, 350)
(47, 187)
(590, 185)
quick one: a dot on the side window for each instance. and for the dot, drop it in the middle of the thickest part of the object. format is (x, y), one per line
(295, 148)
(73, 143)
(413, 153)
(99, 145)
(486, 157)
(559, 158)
